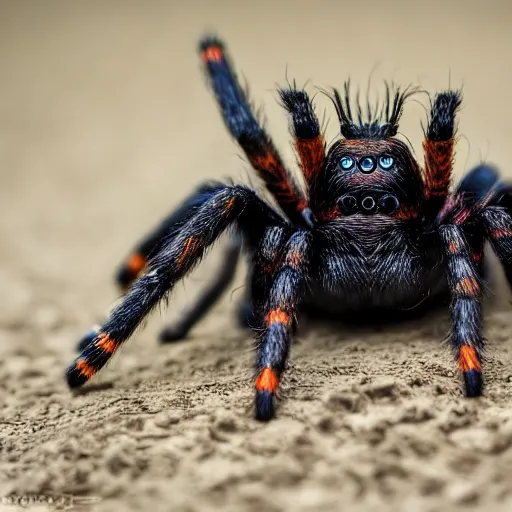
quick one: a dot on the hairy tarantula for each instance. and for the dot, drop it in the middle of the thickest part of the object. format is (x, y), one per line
(373, 232)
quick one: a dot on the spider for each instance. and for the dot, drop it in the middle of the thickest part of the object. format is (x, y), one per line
(370, 232)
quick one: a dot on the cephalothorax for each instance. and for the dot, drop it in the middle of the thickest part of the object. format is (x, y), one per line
(373, 231)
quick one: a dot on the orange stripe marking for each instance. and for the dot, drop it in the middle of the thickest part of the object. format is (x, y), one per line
(267, 380)
(438, 165)
(136, 263)
(268, 163)
(212, 54)
(189, 247)
(461, 216)
(406, 213)
(229, 206)
(311, 154)
(274, 175)
(294, 259)
(468, 286)
(499, 233)
(301, 205)
(453, 247)
(468, 360)
(477, 257)
(278, 316)
(106, 343)
(331, 214)
(84, 368)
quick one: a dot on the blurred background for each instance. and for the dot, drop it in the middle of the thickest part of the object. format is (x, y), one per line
(106, 123)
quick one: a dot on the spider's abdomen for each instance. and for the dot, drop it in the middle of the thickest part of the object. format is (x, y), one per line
(379, 264)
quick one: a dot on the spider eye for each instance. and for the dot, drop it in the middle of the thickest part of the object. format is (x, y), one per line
(367, 164)
(349, 204)
(347, 162)
(386, 161)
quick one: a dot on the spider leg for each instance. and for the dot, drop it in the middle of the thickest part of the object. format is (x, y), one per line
(285, 295)
(498, 225)
(478, 182)
(477, 186)
(481, 196)
(136, 264)
(221, 280)
(169, 265)
(438, 147)
(466, 313)
(309, 142)
(250, 135)
(265, 263)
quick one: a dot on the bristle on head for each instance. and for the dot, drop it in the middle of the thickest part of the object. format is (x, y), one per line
(375, 123)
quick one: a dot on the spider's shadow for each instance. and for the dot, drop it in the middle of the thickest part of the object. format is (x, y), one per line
(430, 318)
(93, 388)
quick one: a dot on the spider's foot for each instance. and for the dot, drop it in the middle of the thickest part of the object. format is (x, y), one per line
(266, 388)
(88, 338)
(78, 373)
(265, 409)
(469, 364)
(74, 376)
(92, 359)
(173, 333)
(473, 382)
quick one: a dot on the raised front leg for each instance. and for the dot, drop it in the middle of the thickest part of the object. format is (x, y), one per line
(250, 135)
(284, 299)
(439, 150)
(309, 142)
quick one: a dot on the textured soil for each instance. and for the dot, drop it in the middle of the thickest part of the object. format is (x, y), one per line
(105, 123)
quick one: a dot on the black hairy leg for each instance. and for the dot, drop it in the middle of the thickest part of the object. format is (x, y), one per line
(474, 190)
(284, 299)
(478, 183)
(466, 312)
(248, 132)
(136, 264)
(169, 265)
(209, 296)
(498, 225)
(265, 263)
(137, 260)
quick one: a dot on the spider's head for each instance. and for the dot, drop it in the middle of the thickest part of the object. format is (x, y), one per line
(369, 170)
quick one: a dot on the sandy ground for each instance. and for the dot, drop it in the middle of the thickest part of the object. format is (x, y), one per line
(105, 123)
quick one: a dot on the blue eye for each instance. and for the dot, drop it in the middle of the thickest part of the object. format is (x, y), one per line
(367, 164)
(347, 162)
(386, 161)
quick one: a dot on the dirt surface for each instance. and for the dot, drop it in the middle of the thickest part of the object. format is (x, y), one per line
(105, 123)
